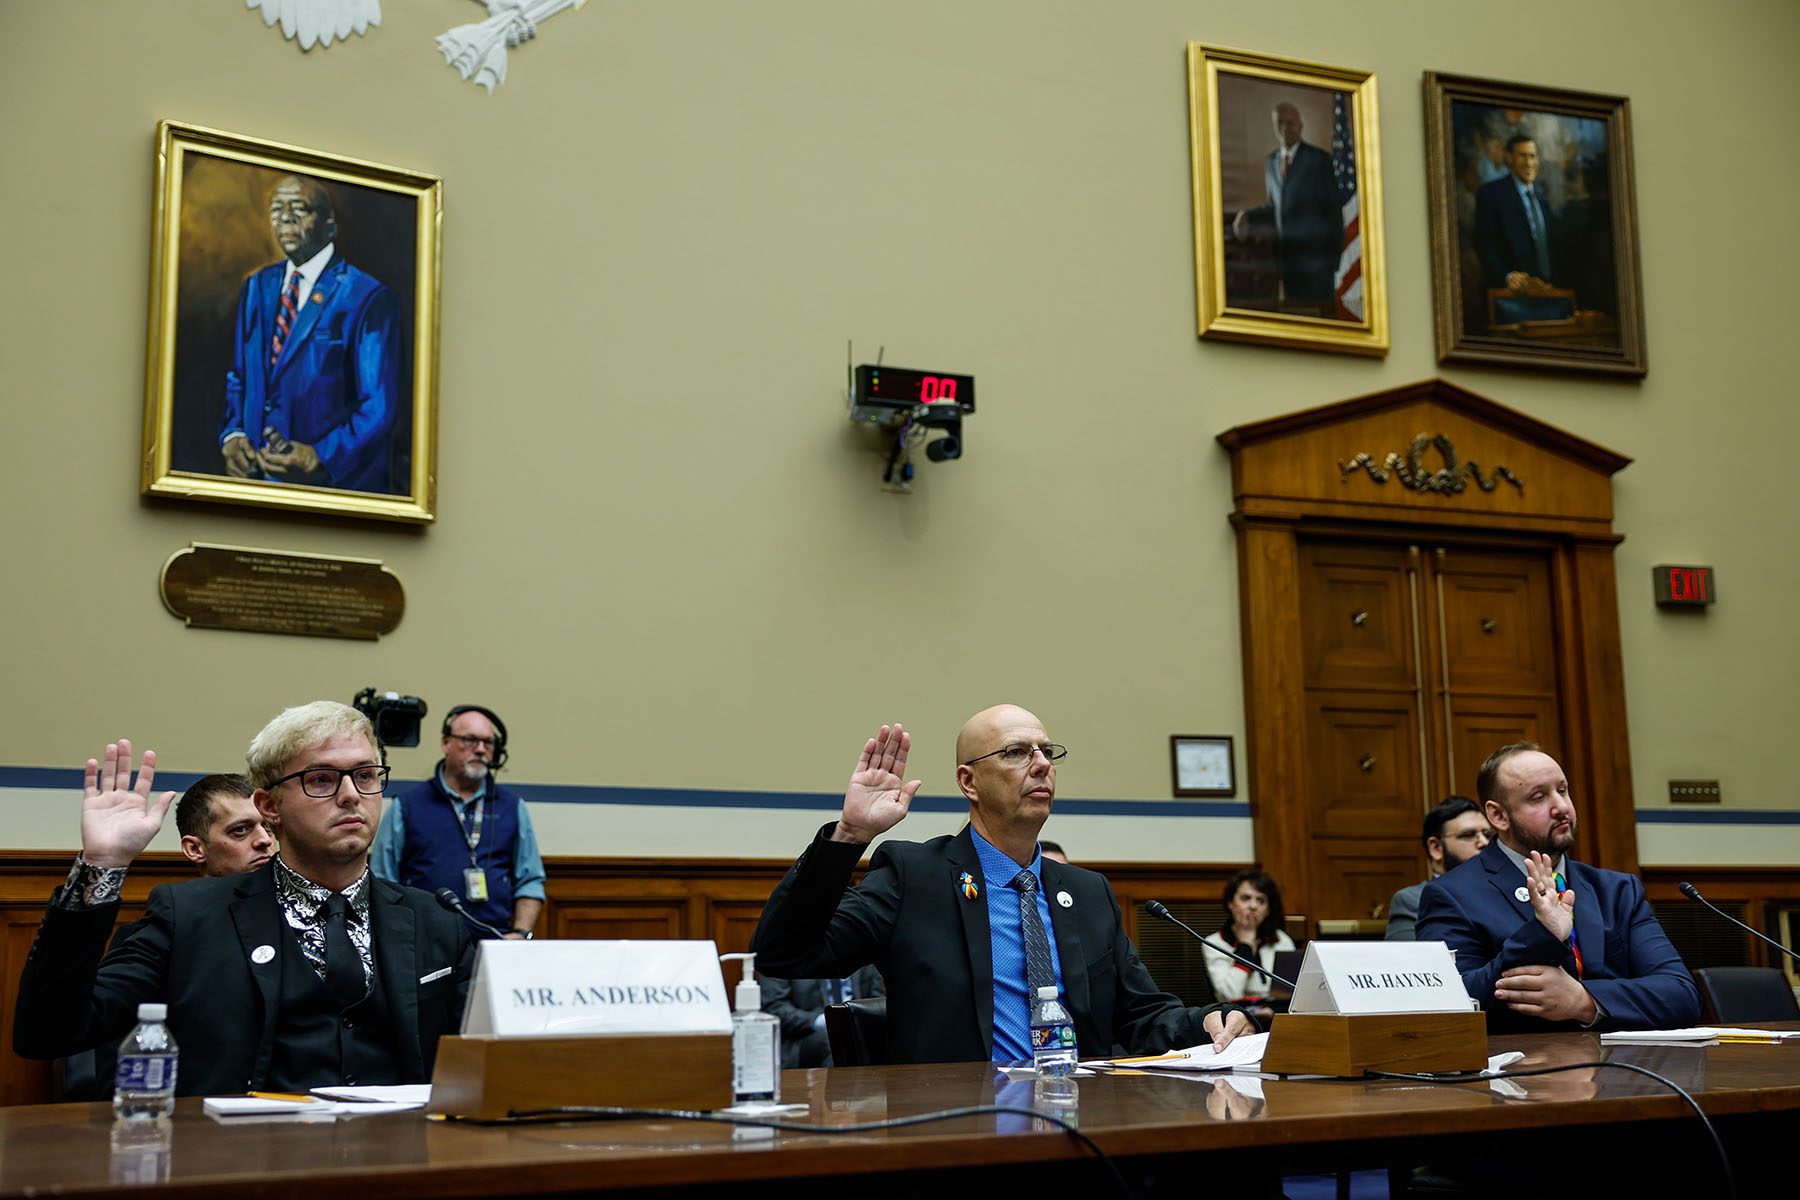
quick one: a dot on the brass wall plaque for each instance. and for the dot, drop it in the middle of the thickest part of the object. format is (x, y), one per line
(275, 591)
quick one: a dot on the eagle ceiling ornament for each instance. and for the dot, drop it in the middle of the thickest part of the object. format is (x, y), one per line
(319, 22)
(477, 50)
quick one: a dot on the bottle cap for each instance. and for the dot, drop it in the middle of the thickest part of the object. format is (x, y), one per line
(1047, 992)
(153, 1012)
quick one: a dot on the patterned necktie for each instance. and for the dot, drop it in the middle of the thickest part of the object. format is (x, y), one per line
(285, 317)
(1039, 971)
(1562, 885)
(1535, 216)
(1286, 160)
(343, 966)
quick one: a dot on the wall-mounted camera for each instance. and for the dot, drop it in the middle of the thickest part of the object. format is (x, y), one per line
(922, 408)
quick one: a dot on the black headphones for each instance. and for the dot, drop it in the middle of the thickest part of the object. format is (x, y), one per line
(494, 718)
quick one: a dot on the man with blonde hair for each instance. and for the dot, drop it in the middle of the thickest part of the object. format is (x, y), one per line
(306, 972)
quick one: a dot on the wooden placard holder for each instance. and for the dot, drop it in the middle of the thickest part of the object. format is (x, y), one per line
(487, 1077)
(1347, 1045)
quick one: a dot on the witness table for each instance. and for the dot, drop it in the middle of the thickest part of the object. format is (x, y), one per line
(1171, 1135)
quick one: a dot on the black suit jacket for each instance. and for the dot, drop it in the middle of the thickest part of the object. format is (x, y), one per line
(796, 1002)
(1503, 232)
(195, 949)
(910, 918)
(1308, 220)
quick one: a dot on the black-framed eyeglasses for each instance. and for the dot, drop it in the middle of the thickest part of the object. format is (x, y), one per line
(322, 783)
(471, 741)
(1017, 754)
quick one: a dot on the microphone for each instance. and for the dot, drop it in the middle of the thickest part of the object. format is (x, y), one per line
(1693, 893)
(453, 902)
(1157, 908)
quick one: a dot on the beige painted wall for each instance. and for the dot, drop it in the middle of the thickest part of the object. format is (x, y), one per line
(664, 555)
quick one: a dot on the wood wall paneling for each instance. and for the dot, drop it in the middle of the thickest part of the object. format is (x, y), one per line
(722, 899)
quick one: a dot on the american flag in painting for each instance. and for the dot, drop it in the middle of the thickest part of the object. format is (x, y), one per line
(1343, 168)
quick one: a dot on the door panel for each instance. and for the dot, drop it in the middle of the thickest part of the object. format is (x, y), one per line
(1364, 766)
(1497, 623)
(1358, 627)
(1418, 662)
(1482, 727)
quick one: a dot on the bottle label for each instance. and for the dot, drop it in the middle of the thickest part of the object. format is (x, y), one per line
(753, 1058)
(1052, 1037)
(145, 1073)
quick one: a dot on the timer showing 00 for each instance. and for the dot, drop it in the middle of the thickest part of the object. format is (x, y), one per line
(903, 387)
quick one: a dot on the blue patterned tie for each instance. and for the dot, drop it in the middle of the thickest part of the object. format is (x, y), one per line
(1039, 971)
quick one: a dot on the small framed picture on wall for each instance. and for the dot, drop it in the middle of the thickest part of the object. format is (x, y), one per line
(1202, 766)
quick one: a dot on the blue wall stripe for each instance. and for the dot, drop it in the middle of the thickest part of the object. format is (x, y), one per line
(1738, 816)
(60, 778)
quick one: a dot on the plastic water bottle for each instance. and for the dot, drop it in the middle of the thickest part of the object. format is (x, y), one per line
(1060, 1098)
(144, 1087)
(1052, 1036)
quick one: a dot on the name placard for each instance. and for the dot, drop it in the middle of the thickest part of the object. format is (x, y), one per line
(559, 988)
(1379, 977)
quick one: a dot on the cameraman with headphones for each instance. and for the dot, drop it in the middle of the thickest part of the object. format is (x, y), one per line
(461, 830)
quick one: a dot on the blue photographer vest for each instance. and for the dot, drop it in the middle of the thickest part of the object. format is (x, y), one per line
(435, 851)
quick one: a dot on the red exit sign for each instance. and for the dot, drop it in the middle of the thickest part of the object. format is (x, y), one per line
(1684, 587)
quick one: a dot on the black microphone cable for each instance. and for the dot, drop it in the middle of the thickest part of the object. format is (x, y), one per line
(1455, 1077)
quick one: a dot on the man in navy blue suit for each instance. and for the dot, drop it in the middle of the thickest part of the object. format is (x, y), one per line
(313, 394)
(1514, 223)
(1542, 940)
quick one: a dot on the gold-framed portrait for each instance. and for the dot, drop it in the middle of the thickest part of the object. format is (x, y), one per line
(293, 340)
(1534, 248)
(1286, 161)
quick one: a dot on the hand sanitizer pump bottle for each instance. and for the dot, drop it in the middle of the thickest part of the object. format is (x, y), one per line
(755, 1042)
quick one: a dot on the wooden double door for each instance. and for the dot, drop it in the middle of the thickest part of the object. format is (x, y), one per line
(1419, 658)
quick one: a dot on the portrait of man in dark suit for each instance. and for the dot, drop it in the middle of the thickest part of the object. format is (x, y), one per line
(1514, 221)
(1301, 211)
(1534, 231)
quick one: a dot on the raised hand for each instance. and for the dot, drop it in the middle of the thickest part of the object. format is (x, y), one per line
(117, 819)
(879, 794)
(1555, 911)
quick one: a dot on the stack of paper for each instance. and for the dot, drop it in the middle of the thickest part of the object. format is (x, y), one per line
(1245, 1051)
(1699, 1033)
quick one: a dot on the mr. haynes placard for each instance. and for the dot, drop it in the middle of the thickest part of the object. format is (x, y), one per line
(1379, 977)
(565, 987)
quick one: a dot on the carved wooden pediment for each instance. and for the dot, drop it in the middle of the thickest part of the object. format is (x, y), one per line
(1429, 452)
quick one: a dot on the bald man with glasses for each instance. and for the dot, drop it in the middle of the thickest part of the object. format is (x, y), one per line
(965, 928)
(306, 972)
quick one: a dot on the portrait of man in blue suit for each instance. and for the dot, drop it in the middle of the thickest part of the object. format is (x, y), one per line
(314, 391)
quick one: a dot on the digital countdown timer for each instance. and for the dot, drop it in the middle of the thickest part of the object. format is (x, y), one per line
(901, 387)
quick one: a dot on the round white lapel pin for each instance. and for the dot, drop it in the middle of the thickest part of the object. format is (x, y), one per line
(1522, 896)
(1066, 900)
(262, 954)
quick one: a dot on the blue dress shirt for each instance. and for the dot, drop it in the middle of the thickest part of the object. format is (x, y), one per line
(1012, 993)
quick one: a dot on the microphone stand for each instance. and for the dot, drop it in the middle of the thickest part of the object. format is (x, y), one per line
(453, 902)
(1157, 908)
(1693, 893)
